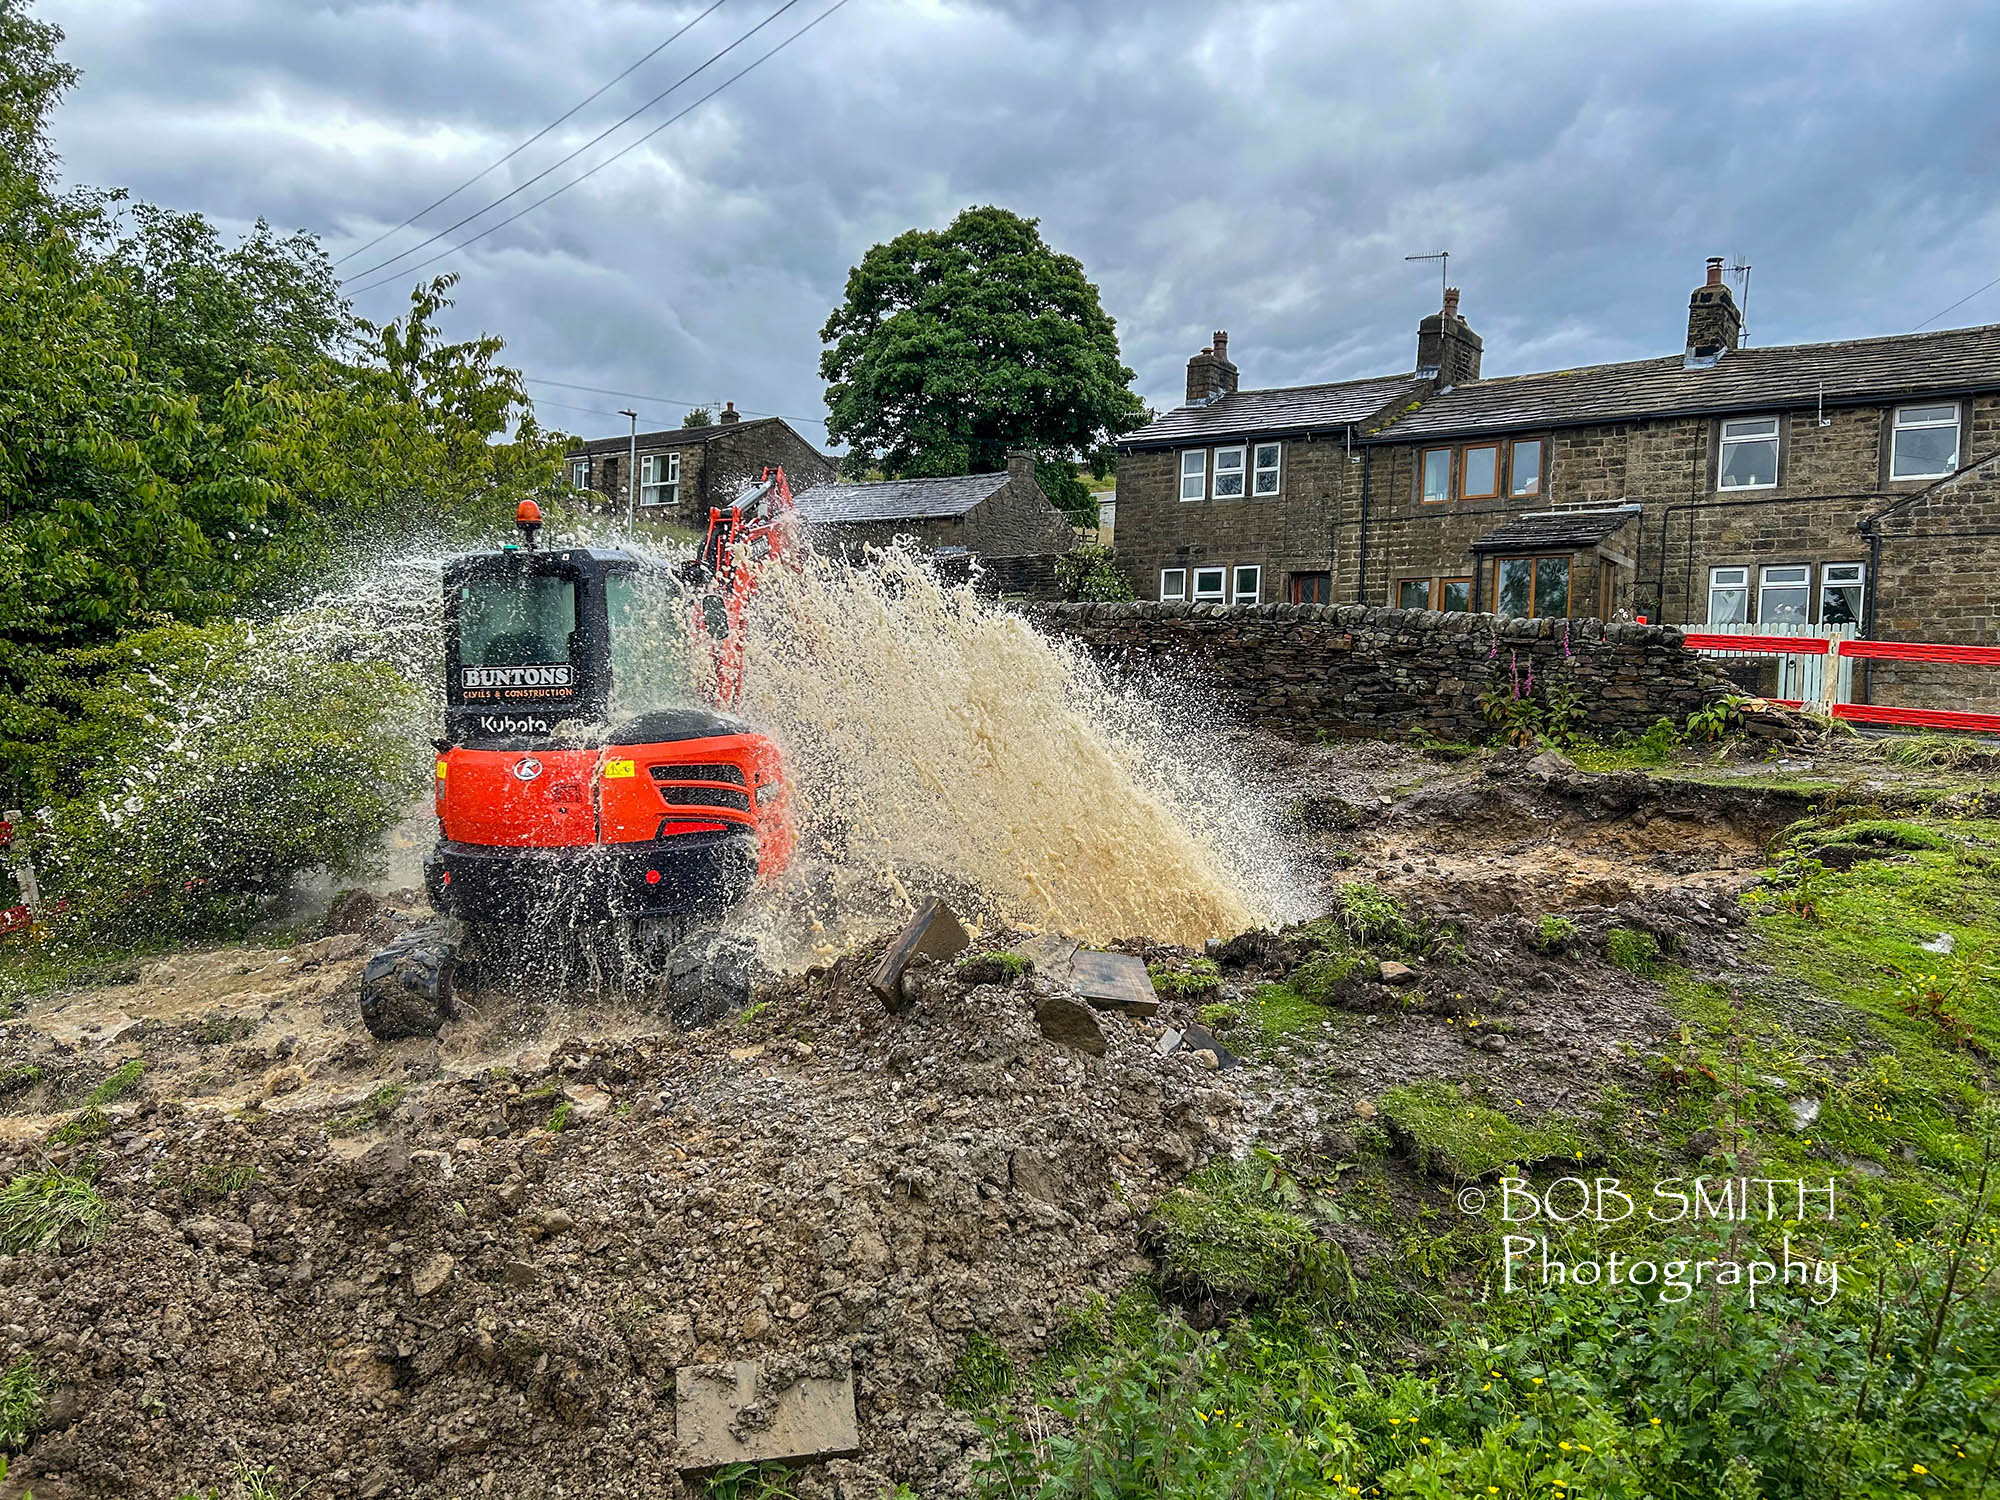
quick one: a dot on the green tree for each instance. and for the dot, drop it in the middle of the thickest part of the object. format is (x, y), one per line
(697, 416)
(954, 345)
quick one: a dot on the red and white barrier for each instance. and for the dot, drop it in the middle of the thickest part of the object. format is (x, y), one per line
(1867, 713)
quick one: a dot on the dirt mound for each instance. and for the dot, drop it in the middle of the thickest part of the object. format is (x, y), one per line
(484, 1284)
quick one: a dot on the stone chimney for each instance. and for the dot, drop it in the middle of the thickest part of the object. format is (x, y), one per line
(1447, 349)
(1020, 465)
(730, 415)
(1210, 374)
(1714, 324)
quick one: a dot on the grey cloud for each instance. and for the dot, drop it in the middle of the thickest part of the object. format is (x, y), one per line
(1260, 167)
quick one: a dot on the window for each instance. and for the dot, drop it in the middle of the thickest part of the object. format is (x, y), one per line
(1437, 475)
(1264, 478)
(1479, 473)
(1413, 593)
(1455, 594)
(1531, 587)
(1781, 595)
(1208, 585)
(522, 622)
(1525, 470)
(1173, 585)
(1840, 593)
(660, 479)
(1312, 588)
(1194, 474)
(1249, 586)
(1924, 443)
(1749, 454)
(1228, 473)
(579, 473)
(1729, 596)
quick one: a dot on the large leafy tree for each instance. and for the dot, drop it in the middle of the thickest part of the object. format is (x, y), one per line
(954, 345)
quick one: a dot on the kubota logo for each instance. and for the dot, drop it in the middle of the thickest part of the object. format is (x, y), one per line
(527, 768)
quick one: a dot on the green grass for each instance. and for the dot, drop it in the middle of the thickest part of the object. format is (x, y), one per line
(994, 966)
(750, 1482)
(1455, 1138)
(1885, 833)
(117, 1084)
(18, 1079)
(90, 1124)
(1555, 933)
(558, 1120)
(376, 1108)
(38, 1210)
(983, 1375)
(1185, 981)
(1633, 950)
(1276, 1014)
(1228, 1232)
(23, 1394)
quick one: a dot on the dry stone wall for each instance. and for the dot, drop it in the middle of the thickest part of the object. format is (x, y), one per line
(1303, 670)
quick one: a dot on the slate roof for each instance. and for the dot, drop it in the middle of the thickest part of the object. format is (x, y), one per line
(1302, 408)
(1753, 379)
(670, 437)
(1555, 531)
(896, 499)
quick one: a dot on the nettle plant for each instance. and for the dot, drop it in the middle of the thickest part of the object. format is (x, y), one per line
(1519, 714)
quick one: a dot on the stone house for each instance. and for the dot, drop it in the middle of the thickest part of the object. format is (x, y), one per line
(1849, 483)
(683, 471)
(1000, 515)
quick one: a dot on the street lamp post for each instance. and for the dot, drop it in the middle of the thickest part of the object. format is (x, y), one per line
(632, 474)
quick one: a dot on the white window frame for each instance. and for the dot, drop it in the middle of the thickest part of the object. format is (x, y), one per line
(1218, 472)
(1852, 575)
(1173, 585)
(1254, 592)
(651, 485)
(1217, 595)
(1897, 427)
(1775, 437)
(1766, 583)
(1198, 472)
(1259, 469)
(579, 473)
(1736, 579)
(1424, 496)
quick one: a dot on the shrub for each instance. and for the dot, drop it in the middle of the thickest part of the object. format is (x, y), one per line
(1370, 914)
(203, 768)
(984, 1373)
(1092, 573)
(1800, 881)
(38, 1210)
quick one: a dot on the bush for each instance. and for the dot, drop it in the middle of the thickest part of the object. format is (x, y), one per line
(204, 768)
(1091, 573)
(1635, 951)
(1555, 933)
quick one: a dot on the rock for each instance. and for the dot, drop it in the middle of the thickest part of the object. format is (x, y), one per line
(1395, 973)
(587, 1101)
(1493, 1041)
(1551, 765)
(1207, 1058)
(431, 1276)
(1701, 1143)
(520, 1274)
(1199, 1039)
(1943, 943)
(1070, 1022)
(1169, 1040)
(752, 1411)
(1804, 1110)
(1365, 1108)
(220, 1234)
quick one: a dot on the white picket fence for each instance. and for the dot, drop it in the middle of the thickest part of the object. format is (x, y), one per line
(1800, 678)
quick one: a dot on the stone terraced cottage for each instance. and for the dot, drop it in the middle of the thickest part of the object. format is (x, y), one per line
(1852, 485)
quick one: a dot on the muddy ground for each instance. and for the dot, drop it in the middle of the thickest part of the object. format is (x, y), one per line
(472, 1266)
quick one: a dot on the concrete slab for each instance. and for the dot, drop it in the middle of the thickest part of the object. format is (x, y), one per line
(1113, 981)
(756, 1411)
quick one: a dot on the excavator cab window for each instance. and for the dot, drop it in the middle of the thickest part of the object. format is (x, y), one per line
(516, 622)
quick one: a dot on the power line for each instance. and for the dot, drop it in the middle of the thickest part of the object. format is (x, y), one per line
(608, 130)
(599, 390)
(1956, 305)
(358, 249)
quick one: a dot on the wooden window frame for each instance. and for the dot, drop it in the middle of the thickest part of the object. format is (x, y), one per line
(1315, 576)
(1180, 593)
(1450, 475)
(1568, 560)
(1464, 453)
(1541, 447)
(1437, 600)
(1404, 583)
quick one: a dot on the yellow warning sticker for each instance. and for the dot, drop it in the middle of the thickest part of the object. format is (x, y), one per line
(614, 769)
(441, 766)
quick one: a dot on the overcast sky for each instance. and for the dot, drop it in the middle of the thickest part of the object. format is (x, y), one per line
(1262, 168)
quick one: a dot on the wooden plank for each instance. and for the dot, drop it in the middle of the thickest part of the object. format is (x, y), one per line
(1114, 981)
(934, 932)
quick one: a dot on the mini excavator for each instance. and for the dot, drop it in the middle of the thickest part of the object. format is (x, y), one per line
(570, 832)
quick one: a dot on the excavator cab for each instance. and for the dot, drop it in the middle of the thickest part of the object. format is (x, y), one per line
(574, 809)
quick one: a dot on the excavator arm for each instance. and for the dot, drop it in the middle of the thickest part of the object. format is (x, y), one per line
(758, 525)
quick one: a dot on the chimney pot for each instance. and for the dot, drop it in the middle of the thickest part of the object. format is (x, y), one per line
(1715, 327)
(1221, 344)
(1209, 373)
(1715, 270)
(1448, 351)
(1451, 302)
